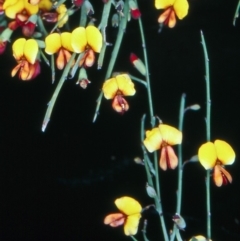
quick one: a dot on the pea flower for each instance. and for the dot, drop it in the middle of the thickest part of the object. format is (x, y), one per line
(21, 12)
(215, 155)
(25, 52)
(172, 8)
(164, 137)
(87, 40)
(117, 87)
(61, 44)
(62, 15)
(129, 216)
(198, 238)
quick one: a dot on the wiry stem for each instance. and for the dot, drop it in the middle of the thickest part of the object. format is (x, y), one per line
(121, 31)
(56, 92)
(180, 165)
(236, 15)
(208, 132)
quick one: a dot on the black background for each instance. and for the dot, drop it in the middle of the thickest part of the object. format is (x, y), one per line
(60, 184)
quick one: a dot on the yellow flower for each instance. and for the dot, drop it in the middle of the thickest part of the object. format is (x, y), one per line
(129, 216)
(163, 137)
(87, 40)
(117, 87)
(25, 52)
(62, 15)
(216, 155)
(89, 37)
(61, 44)
(172, 8)
(198, 238)
(13, 7)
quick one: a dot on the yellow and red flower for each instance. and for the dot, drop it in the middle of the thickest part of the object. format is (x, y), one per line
(216, 155)
(117, 87)
(164, 137)
(129, 216)
(87, 40)
(172, 8)
(25, 52)
(61, 44)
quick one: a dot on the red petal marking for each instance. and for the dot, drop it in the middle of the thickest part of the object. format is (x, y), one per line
(3, 46)
(77, 3)
(221, 176)
(135, 13)
(115, 219)
(168, 17)
(119, 104)
(133, 57)
(168, 158)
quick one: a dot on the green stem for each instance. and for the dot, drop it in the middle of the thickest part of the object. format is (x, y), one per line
(144, 230)
(83, 16)
(180, 165)
(56, 92)
(133, 238)
(236, 15)
(208, 132)
(153, 121)
(121, 31)
(180, 168)
(149, 93)
(157, 199)
(138, 80)
(53, 68)
(41, 26)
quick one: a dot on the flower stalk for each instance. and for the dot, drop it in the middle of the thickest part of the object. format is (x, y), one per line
(208, 131)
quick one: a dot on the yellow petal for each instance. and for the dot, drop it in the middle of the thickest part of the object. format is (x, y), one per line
(181, 8)
(207, 155)
(170, 135)
(110, 88)
(125, 85)
(79, 39)
(128, 205)
(12, 7)
(66, 41)
(94, 38)
(62, 19)
(198, 238)
(225, 153)
(18, 47)
(131, 224)
(45, 5)
(53, 43)
(153, 140)
(31, 9)
(30, 50)
(160, 4)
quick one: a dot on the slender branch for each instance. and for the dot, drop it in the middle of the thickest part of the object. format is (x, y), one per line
(180, 168)
(149, 93)
(121, 31)
(208, 132)
(56, 92)
(180, 165)
(138, 80)
(236, 15)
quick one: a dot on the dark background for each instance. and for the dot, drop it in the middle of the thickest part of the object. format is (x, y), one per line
(59, 185)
